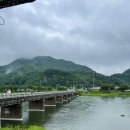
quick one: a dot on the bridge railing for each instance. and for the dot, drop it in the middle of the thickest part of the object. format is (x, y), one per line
(18, 95)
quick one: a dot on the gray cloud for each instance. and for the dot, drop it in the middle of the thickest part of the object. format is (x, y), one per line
(90, 32)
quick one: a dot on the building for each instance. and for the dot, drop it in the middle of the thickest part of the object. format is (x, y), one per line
(95, 88)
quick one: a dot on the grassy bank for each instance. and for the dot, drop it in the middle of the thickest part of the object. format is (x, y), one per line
(23, 128)
(104, 94)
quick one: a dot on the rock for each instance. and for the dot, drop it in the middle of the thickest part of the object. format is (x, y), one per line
(122, 115)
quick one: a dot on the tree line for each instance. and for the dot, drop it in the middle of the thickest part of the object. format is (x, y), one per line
(111, 87)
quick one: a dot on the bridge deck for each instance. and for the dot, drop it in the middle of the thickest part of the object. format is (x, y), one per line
(12, 99)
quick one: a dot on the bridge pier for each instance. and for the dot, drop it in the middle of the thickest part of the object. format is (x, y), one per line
(11, 106)
(13, 112)
(76, 95)
(65, 98)
(37, 105)
(69, 97)
(72, 96)
(59, 99)
(50, 101)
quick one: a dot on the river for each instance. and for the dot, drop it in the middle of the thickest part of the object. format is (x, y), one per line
(82, 113)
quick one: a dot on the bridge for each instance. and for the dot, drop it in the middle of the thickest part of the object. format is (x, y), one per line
(11, 104)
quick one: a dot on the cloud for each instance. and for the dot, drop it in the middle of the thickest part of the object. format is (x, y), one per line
(90, 32)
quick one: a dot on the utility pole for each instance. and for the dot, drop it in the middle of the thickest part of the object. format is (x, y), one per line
(82, 87)
(40, 83)
(93, 80)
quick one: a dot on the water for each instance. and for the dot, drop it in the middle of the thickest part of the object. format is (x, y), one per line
(83, 113)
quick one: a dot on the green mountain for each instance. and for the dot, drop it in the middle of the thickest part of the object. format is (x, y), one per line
(41, 63)
(124, 78)
(48, 71)
(44, 69)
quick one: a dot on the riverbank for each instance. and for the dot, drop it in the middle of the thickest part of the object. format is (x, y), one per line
(104, 94)
(24, 128)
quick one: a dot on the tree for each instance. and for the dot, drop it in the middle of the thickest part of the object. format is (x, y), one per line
(107, 87)
(104, 87)
(123, 88)
(111, 87)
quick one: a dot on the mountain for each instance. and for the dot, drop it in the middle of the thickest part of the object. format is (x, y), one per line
(48, 71)
(41, 63)
(124, 77)
(127, 72)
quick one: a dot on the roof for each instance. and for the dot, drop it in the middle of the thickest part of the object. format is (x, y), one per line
(96, 88)
(9, 3)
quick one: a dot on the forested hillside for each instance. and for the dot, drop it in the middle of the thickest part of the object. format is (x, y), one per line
(47, 71)
(124, 78)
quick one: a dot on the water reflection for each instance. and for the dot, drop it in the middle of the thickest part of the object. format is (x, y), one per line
(92, 113)
(33, 117)
(10, 123)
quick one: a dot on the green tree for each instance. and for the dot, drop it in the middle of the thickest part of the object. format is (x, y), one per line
(123, 88)
(104, 87)
(107, 87)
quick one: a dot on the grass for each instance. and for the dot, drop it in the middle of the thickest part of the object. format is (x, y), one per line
(105, 94)
(24, 128)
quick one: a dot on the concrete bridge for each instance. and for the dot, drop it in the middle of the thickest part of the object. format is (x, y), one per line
(11, 104)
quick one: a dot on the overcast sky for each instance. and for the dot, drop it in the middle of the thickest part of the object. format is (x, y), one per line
(95, 33)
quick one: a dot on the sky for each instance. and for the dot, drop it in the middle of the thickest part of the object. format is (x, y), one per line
(95, 33)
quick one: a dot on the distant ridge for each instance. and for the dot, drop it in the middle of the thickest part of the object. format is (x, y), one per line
(42, 63)
(50, 72)
(124, 77)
